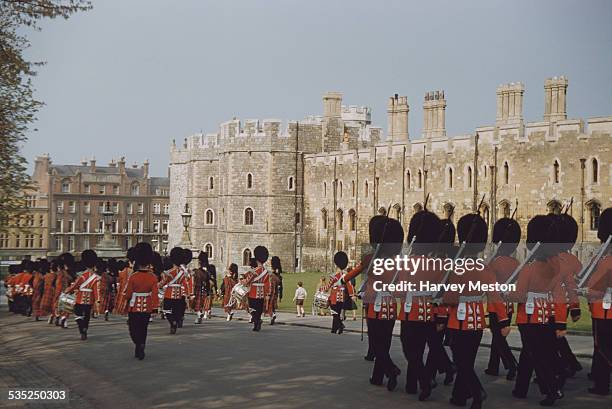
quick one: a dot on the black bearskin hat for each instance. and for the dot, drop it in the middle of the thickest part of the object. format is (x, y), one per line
(605, 225)
(508, 232)
(187, 256)
(89, 258)
(233, 268)
(568, 229)
(203, 259)
(376, 228)
(43, 266)
(448, 233)
(67, 260)
(130, 254)
(176, 255)
(341, 260)
(392, 239)
(472, 229)
(425, 226)
(252, 262)
(143, 255)
(276, 263)
(261, 254)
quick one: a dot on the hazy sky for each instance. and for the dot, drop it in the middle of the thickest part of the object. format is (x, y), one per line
(129, 76)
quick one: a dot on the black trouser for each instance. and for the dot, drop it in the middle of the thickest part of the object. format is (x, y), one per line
(336, 316)
(442, 360)
(602, 356)
(82, 313)
(256, 307)
(381, 333)
(500, 350)
(174, 310)
(138, 323)
(568, 359)
(370, 353)
(465, 348)
(414, 335)
(537, 354)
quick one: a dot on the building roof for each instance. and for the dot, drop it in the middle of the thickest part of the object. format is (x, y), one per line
(71, 170)
(160, 181)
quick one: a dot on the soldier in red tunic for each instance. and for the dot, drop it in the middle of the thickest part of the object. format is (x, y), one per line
(42, 268)
(63, 280)
(259, 281)
(540, 320)
(276, 289)
(229, 281)
(599, 287)
(211, 291)
(386, 235)
(339, 292)
(121, 302)
(506, 236)
(46, 301)
(201, 279)
(466, 312)
(86, 289)
(141, 293)
(175, 284)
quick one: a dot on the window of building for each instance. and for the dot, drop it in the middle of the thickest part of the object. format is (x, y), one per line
(408, 180)
(86, 208)
(156, 208)
(40, 241)
(166, 208)
(115, 207)
(65, 186)
(114, 226)
(71, 244)
(71, 226)
(506, 173)
(210, 216)
(594, 213)
(248, 216)
(420, 179)
(246, 257)
(58, 244)
(249, 181)
(59, 225)
(140, 226)
(41, 221)
(60, 207)
(115, 189)
(290, 184)
(340, 188)
(102, 189)
(86, 226)
(366, 189)
(87, 188)
(165, 226)
(324, 189)
(72, 207)
(324, 219)
(556, 173)
(504, 206)
(3, 240)
(594, 171)
(449, 178)
(339, 219)
(211, 183)
(86, 243)
(29, 241)
(17, 240)
(156, 226)
(298, 218)
(140, 208)
(130, 208)
(352, 220)
(100, 226)
(208, 248)
(469, 177)
(135, 189)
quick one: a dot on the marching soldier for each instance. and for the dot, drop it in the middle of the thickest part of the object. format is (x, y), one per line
(9, 283)
(210, 291)
(120, 303)
(259, 281)
(200, 286)
(387, 235)
(141, 293)
(276, 289)
(339, 292)
(86, 288)
(506, 236)
(175, 284)
(42, 268)
(46, 301)
(63, 280)
(105, 287)
(421, 319)
(466, 313)
(540, 321)
(229, 281)
(23, 288)
(599, 287)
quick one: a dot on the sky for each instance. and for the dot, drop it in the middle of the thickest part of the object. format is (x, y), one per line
(129, 76)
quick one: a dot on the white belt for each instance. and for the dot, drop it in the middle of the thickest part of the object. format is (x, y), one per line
(134, 295)
(411, 294)
(607, 299)
(258, 284)
(174, 285)
(470, 298)
(378, 301)
(531, 296)
(86, 290)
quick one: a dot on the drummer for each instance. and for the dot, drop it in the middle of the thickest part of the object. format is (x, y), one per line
(259, 281)
(86, 288)
(229, 281)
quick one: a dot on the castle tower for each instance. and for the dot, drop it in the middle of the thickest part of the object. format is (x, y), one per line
(555, 103)
(510, 103)
(434, 115)
(397, 118)
(333, 125)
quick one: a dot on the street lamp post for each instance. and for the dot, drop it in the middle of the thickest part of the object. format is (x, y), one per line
(107, 247)
(186, 216)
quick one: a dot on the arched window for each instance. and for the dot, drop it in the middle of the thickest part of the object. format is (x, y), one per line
(417, 207)
(554, 207)
(594, 171)
(485, 167)
(290, 183)
(366, 189)
(448, 210)
(210, 216)
(556, 173)
(248, 216)
(396, 212)
(594, 212)
(324, 219)
(420, 179)
(324, 189)
(449, 177)
(249, 180)
(246, 256)
(211, 183)
(382, 211)
(506, 173)
(298, 218)
(469, 177)
(352, 220)
(353, 193)
(340, 186)
(208, 248)
(339, 219)
(135, 189)
(504, 206)
(66, 186)
(408, 180)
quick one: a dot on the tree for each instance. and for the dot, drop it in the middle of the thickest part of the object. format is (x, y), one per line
(18, 107)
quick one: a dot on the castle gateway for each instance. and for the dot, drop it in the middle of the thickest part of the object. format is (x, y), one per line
(308, 188)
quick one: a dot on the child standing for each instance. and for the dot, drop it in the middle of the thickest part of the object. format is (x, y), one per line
(299, 297)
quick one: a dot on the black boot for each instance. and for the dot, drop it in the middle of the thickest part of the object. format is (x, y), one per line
(83, 336)
(141, 354)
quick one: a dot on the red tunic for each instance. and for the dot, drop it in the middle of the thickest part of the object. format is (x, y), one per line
(259, 280)
(600, 290)
(503, 267)
(120, 303)
(466, 311)
(46, 301)
(418, 306)
(175, 283)
(141, 292)
(37, 290)
(337, 290)
(85, 287)
(228, 285)
(566, 267)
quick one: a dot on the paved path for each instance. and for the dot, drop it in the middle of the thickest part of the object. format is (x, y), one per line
(222, 365)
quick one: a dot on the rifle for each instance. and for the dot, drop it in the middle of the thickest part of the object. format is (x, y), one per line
(588, 270)
(524, 263)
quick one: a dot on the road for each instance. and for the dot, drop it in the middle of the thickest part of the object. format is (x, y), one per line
(220, 365)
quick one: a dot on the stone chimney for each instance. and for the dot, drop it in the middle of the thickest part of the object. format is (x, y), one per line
(510, 103)
(145, 167)
(333, 125)
(84, 162)
(121, 165)
(434, 115)
(92, 164)
(397, 118)
(42, 164)
(112, 163)
(332, 105)
(555, 103)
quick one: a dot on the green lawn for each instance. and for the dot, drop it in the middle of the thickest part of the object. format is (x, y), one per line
(311, 280)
